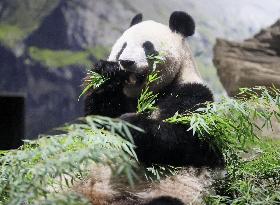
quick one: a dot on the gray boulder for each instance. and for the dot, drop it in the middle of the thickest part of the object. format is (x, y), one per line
(254, 62)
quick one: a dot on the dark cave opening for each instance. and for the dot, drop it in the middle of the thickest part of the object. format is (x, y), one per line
(12, 121)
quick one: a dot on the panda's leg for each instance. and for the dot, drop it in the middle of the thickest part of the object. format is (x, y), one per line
(165, 200)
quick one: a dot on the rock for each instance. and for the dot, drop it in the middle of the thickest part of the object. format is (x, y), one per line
(81, 24)
(254, 62)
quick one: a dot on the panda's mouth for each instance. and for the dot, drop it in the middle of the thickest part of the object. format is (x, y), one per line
(135, 79)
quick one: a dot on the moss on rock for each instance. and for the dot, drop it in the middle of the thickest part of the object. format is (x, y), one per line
(63, 58)
(10, 35)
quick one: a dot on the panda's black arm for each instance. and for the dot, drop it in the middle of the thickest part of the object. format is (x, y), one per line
(108, 99)
(167, 143)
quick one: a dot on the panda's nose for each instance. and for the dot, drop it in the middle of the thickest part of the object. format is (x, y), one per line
(127, 63)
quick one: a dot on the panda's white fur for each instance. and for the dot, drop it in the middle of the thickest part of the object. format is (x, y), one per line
(172, 46)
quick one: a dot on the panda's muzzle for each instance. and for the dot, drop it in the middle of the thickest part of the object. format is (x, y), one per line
(134, 78)
(127, 64)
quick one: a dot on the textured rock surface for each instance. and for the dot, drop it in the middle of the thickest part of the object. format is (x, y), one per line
(80, 24)
(51, 95)
(253, 62)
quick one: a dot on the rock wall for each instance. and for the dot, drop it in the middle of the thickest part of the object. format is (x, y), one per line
(256, 61)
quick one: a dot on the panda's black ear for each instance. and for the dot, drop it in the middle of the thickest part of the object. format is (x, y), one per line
(136, 19)
(182, 22)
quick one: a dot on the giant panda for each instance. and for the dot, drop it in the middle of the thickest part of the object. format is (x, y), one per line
(180, 89)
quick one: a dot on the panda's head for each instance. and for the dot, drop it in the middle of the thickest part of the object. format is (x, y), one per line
(147, 38)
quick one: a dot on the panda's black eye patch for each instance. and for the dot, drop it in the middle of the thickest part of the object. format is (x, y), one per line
(120, 52)
(149, 48)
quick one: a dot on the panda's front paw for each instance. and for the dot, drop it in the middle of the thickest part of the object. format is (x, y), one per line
(106, 68)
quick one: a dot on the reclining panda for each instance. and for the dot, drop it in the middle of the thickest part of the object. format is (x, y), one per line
(179, 87)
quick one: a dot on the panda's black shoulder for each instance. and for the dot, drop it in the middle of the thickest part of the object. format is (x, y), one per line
(198, 90)
(184, 97)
